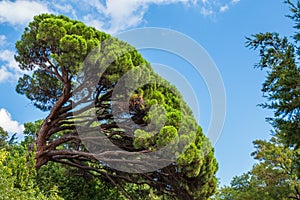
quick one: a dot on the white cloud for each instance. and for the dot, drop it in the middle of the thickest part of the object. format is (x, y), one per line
(107, 15)
(9, 70)
(207, 11)
(64, 8)
(8, 124)
(91, 21)
(123, 14)
(235, 1)
(224, 8)
(117, 15)
(2, 40)
(214, 7)
(111, 16)
(4, 74)
(20, 12)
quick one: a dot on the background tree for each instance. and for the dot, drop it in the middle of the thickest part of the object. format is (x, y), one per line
(274, 177)
(279, 56)
(3, 138)
(66, 59)
(18, 175)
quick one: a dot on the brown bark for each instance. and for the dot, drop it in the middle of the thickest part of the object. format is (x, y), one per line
(42, 136)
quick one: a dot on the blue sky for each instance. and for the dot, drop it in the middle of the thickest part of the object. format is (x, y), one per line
(220, 26)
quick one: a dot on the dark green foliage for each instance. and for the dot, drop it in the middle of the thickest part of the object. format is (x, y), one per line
(72, 183)
(33, 88)
(31, 129)
(279, 57)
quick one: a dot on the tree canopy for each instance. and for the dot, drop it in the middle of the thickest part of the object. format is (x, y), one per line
(77, 75)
